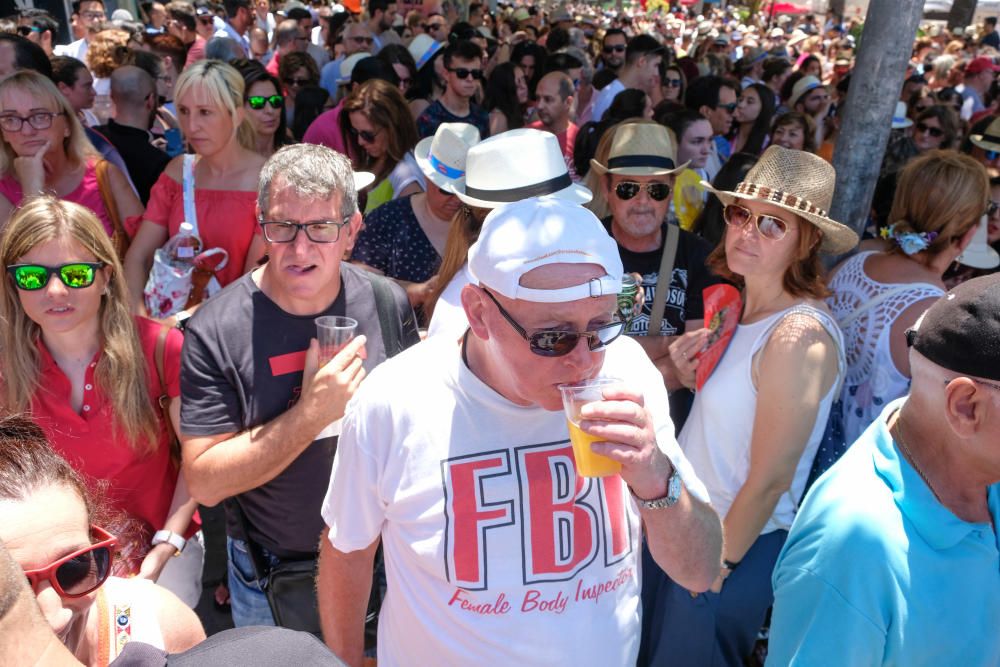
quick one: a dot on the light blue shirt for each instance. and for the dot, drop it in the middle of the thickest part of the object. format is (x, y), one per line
(330, 75)
(876, 571)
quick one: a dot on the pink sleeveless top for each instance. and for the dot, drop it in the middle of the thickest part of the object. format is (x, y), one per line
(88, 194)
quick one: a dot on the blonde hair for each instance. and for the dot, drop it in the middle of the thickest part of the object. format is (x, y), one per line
(465, 227)
(941, 191)
(225, 87)
(121, 372)
(77, 147)
(107, 52)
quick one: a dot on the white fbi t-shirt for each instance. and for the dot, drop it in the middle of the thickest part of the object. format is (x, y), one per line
(496, 552)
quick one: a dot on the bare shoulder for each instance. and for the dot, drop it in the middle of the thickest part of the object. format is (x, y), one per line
(179, 625)
(801, 329)
(175, 168)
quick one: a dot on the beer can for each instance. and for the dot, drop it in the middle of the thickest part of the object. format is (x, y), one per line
(627, 297)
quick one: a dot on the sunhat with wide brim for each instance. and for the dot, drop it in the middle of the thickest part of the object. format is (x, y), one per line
(516, 165)
(800, 183)
(442, 157)
(990, 139)
(640, 149)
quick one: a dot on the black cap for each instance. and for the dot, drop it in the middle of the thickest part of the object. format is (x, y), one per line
(961, 331)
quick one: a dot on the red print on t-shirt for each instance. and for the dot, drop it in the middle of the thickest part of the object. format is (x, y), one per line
(566, 521)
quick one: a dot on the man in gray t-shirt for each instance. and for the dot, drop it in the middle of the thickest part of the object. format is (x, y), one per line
(259, 415)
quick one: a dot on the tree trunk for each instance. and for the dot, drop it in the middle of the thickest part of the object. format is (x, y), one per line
(961, 13)
(886, 44)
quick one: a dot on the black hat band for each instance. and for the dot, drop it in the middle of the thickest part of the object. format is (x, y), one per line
(524, 192)
(626, 161)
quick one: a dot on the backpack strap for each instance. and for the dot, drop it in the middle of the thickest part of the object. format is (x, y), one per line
(120, 237)
(385, 306)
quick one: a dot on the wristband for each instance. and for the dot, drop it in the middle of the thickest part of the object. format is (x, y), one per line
(730, 565)
(171, 538)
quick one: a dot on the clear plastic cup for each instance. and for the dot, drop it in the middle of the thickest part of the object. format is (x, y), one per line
(333, 332)
(575, 396)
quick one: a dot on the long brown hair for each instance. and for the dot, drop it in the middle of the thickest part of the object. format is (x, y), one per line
(804, 276)
(386, 109)
(121, 372)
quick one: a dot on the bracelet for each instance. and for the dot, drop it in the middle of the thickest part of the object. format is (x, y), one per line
(730, 565)
(171, 538)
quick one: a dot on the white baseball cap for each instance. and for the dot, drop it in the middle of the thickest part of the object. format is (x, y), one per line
(525, 235)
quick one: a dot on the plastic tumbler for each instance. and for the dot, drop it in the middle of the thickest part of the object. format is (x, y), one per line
(333, 332)
(575, 396)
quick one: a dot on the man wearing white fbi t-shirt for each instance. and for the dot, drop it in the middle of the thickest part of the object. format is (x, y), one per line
(457, 456)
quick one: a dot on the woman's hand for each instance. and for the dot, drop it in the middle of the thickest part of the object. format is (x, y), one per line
(155, 560)
(684, 353)
(30, 170)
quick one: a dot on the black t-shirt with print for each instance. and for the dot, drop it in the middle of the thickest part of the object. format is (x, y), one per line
(690, 276)
(242, 366)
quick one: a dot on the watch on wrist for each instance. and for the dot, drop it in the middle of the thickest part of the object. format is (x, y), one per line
(171, 538)
(674, 487)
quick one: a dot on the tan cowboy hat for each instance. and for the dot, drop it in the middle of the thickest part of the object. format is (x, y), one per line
(799, 182)
(641, 149)
(990, 139)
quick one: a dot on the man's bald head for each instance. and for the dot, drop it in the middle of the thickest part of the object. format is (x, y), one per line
(131, 87)
(555, 100)
(558, 83)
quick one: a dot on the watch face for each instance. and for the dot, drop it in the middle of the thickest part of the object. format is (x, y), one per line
(674, 488)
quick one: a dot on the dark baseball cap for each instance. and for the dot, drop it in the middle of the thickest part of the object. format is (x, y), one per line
(961, 331)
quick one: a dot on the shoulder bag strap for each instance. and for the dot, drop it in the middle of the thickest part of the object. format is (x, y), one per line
(120, 236)
(663, 280)
(190, 214)
(385, 307)
(163, 401)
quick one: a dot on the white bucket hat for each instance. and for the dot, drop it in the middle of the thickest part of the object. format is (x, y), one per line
(442, 157)
(516, 165)
(347, 67)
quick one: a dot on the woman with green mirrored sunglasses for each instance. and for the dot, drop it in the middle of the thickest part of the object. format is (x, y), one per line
(264, 105)
(86, 369)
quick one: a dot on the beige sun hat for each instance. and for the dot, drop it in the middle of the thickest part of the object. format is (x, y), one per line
(801, 87)
(442, 156)
(640, 149)
(799, 182)
(990, 139)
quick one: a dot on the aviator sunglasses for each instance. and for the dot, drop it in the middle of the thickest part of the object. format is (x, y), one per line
(549, 343)
(257, 102)
(80, 572)
(628, 189)
(76, 275)
(770, 227)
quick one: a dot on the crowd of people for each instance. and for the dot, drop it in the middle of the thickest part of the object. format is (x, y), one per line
(801, 411)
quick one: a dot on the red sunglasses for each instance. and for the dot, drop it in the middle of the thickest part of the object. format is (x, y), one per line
(80, 572)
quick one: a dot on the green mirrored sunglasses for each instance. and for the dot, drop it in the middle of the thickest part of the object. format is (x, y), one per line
(35, 276)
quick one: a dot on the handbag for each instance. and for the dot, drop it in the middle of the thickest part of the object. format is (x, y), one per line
(169, 288)
(119, 238)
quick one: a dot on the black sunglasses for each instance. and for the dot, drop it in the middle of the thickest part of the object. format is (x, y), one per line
(560, 343)
(76, 275)
(298, 82)
(257, 102)
(992, 208)
(619, 48)
(933, 131)
(463, 73)
(369, 137)
(628, 189)
(672, 83)
(731, 107)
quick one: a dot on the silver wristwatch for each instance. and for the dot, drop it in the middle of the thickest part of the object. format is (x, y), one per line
(674, 486)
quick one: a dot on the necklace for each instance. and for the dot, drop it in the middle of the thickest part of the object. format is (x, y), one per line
(909, 455)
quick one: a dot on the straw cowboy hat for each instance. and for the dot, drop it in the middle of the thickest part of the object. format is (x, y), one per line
(640, 149)
(990, 139)
(798, 182)
(442, 157)
(516, 165)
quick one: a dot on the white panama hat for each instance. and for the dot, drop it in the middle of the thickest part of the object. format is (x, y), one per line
(442, 157)
(516, 165)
